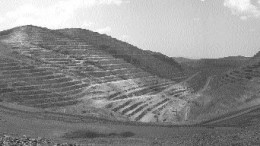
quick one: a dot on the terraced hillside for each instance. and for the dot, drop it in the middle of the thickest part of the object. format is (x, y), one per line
(46, 69)
(80, 72)
(209, 67)
(153, 63)
(233, 90)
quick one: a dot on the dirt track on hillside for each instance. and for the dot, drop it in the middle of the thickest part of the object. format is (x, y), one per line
(64, 128)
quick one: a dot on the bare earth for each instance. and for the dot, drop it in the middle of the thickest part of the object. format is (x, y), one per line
(80, 87)
(90, 131)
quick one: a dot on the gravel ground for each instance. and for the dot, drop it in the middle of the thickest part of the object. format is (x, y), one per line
(8, 140)
(244, 137)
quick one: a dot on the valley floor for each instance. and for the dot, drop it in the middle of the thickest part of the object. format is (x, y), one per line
(90, 131)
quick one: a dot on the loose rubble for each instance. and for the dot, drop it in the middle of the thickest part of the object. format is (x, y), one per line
(8, 140)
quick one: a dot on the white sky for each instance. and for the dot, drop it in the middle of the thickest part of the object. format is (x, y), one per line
(188, 28)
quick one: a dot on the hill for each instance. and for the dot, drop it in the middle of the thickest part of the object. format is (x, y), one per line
(233, 90)
(210, 67)
(257, 55)
(226, 62)
(55, 71)
(79, 72)
(155, 64)
(255, 58)
(183, 59)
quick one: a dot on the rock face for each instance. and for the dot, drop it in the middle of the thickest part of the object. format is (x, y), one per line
(81, 72)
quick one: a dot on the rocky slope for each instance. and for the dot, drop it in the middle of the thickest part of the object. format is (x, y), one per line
(80, 72)
(235, 89)
(153, 63)
(55, 71)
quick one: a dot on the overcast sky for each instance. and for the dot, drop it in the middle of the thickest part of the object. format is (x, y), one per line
(187, 28)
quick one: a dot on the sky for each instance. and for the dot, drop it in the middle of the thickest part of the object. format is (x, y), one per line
(176, 28)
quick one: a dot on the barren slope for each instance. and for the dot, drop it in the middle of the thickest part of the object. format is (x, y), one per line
(233, 90)
(153, 63)
(80, 72)
(46, 69)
